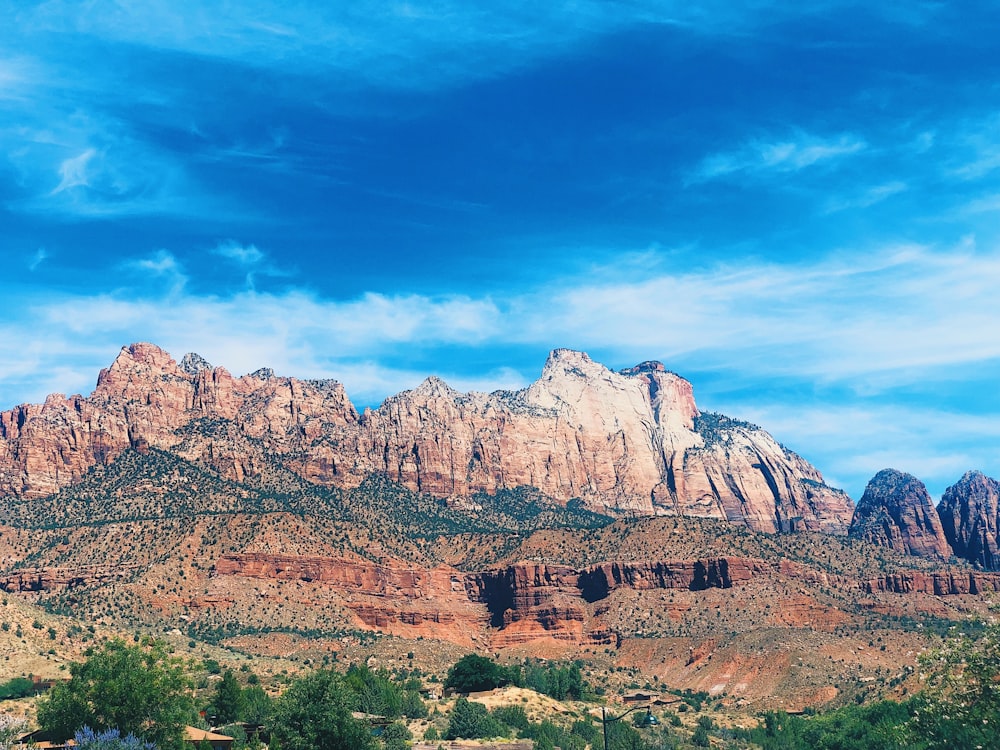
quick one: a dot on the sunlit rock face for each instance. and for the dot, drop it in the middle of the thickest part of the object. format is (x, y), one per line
(627, 442)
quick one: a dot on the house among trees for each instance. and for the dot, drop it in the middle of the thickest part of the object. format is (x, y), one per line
(197, 738)
(41, 740)
(640, 696)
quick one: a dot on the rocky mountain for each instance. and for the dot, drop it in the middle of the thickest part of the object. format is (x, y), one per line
(897, 512)
(629, 442)
(970, 518)
(278, 565)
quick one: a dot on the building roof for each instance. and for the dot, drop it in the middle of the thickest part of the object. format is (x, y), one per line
(193, 734)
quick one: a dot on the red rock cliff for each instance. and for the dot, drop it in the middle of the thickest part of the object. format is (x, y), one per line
(630, 441)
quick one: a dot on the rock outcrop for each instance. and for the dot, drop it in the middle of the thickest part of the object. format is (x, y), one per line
(393, 598)
(897, 512)
(630, 442)
(939, 583)
(58, 579)
(970, 517)
(522, 602)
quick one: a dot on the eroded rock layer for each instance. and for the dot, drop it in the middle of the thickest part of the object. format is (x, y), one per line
(528, 601)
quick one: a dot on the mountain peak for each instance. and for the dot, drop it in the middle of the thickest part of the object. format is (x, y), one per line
(896, 511)
(643, 367)
(142, 352)
(434, 386)
(969, 511)
(262, 373)
(563, 362)
(192, 363)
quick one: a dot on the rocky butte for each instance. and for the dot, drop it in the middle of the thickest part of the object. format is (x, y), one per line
(970, 518)
(629, 442)
(897, 512)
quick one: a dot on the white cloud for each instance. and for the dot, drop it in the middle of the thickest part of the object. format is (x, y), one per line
(790, 155)
(853, 442)
(880, 314)
(415, 44)
(246, 255)
(872, 321)
(886, 314)
(102, 168)
(73, 172)
(150, 273)
(976, 150)
(866, 198)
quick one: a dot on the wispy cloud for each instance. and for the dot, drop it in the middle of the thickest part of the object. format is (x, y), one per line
(90, 166)
(782, 156)
(876, 317)
(872, 320)
(977, 150)
(245, 255)
(252, 260)
(39, 257)
(866, 198)
(431, 44)
(161, 265)
(73, 172)
(855, 441)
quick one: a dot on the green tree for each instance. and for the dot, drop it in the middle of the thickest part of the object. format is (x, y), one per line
(315, 714)
(413, 705)
(876, 726)
(470, 720)
(700, 737)
(513, 716)
(960, 704)
(237, 732)
(227, 703)
(431, 733)
(17, 687)
(257, 706)
(396, 736)
(473, 673)
(374, 692)
(560, 681)
(621, 736)
(137, 689)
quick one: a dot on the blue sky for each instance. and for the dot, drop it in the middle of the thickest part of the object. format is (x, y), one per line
(796, 209)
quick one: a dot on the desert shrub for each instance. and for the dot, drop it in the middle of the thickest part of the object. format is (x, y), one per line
(513, 716)
(470, 720)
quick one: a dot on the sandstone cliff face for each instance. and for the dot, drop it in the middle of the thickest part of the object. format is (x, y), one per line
(897, 512)
(942, 583)
(527, 601)
(394, 598)
(970, 517)
(629, 442)
(145, 398)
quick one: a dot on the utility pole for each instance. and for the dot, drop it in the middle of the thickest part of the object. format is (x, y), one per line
(605, 719)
